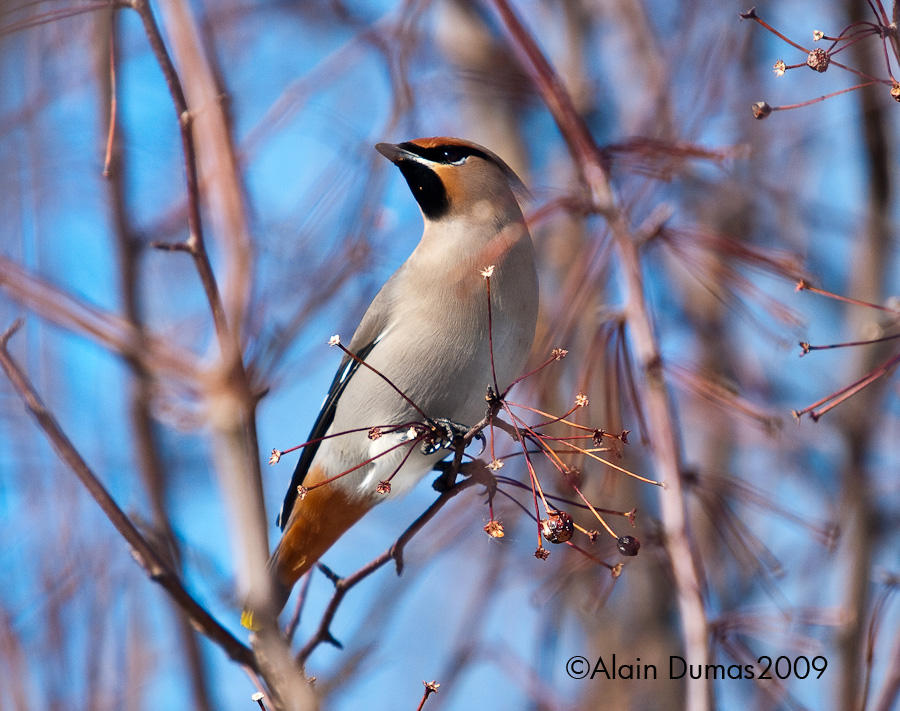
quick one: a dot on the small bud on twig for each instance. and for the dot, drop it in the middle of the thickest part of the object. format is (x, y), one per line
(275, 456)
(335, 340)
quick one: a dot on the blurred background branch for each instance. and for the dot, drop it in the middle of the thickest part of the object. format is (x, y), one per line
(671, 229)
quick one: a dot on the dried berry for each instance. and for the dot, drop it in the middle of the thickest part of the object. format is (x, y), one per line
(818, 59)
(557, 527)
(628, 545)
(494, 529)
(761, 109)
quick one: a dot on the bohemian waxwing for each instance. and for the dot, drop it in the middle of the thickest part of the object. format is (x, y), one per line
(426, 331)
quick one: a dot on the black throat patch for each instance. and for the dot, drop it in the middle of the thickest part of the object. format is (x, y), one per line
(427, 188)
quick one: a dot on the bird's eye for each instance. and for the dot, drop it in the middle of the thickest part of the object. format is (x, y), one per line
(453, 155)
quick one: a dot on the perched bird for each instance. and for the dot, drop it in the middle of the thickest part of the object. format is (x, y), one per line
(426, 331)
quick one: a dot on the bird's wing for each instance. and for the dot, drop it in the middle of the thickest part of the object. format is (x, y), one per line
(369, 332)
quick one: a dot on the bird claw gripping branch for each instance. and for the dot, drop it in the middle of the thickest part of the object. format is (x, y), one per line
(444, 433)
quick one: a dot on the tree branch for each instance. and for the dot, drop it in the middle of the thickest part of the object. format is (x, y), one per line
(666, 445)
(149, 448)
(343, 585)
(144, 553)
(230, 394)
(108, 329)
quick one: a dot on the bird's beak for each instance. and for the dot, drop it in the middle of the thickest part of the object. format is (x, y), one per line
(395, 153)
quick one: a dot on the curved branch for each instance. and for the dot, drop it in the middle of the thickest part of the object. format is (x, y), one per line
(343, 585)
(144, 553)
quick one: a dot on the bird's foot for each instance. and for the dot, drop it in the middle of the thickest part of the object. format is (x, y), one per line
(443, 434)
(448, 435)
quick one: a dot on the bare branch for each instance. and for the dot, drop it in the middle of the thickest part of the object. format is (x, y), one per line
(144, 553)
(343, 585)
(666, 445)
(108, 329)
(194, 244)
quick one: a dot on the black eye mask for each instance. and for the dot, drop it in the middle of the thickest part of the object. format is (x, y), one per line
(449, 153)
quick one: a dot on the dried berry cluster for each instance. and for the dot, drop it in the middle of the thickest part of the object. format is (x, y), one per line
(819, 59)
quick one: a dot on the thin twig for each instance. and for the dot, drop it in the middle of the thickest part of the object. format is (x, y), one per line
(875, 618)
(431, 687)
(804, 285)
(848, 391)
(807, 347)
(56, 15)
(110, 136)
(294, 622)
(335, 340)
(487, 282)
(343, 585)
(194, 244)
